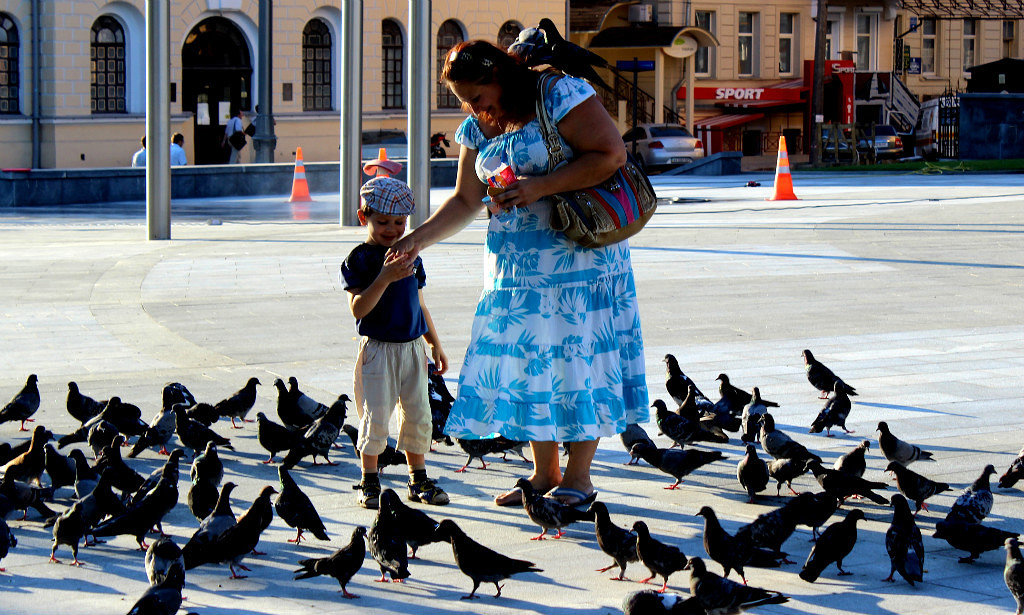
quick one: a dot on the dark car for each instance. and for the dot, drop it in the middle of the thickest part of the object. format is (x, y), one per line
(835, 150)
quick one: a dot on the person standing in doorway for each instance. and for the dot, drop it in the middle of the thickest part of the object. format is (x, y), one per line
(234, 126)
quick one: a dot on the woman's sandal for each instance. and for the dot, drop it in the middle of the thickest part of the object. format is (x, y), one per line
(572, 497)
(512, 497)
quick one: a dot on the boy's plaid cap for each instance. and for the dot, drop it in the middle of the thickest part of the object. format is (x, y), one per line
(388, 196)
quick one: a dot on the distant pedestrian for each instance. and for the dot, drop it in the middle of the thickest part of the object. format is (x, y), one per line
(234, 127)
(178, 157)
(139, 157)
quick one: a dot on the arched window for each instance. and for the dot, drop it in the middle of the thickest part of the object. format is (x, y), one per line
(448, 35)
(508, 33)
(392, 51)
(8, 65)
(316, 67)
(106, 50)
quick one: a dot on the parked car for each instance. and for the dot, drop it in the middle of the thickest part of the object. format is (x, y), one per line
(836, 151)
(394, 140)
(886, 145)
(663, 145)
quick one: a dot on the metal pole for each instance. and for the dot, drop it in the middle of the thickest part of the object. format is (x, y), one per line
(635, 99)
(419, 109)
(818, 81)
(37, 88)
(691, 75)
(351, 109)
(265, 141)
(158, 118)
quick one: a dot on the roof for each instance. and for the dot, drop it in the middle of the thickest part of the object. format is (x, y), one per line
(728, 120)
(649, 36)
(588, 15)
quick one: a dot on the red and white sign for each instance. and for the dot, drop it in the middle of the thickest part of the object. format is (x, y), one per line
(742, 94)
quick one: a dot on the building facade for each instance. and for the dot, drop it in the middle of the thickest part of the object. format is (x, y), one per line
(92, 73)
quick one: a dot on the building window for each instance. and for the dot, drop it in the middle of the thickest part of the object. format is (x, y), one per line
(970, 38)
(448, 36)
(9, 86)
(746, 40)
(928, 45)
(508, 34)
(832, 38)
(865, 42)
(1009, 36)
(316, 67)
(106, 52)
(392, 48)
(703, 59)
(787, 43)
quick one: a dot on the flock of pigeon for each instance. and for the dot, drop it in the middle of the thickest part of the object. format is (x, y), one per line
(110, 498)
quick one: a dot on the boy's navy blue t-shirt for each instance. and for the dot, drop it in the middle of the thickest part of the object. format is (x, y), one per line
(397, 317)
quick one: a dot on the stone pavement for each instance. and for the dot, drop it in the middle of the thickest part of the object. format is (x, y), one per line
(909, 287)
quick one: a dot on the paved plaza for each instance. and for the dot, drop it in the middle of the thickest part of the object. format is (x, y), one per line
(910, 287)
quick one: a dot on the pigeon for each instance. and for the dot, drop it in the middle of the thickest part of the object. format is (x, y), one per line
(771, 529)
(162, 556)
(311, 408)
(834, 544)
(99, 436)
(752, 472)
(274, 437)
(239, 404)
(660, 558)
(733, 553)
(388, 457)
(778, 444)
(124, 478)
(441, 400)
(8, 540)
(201, 412)
(160, 429)
(975, 502)
(23, 405)
(1013, 573)
(650, 602)
(59, 468)
(207, 466)
(82, 407)
(709, 427)
(634, 433)
(295, 508)
(30, 465)
(195, 435)
(241, 539)
(843, 486)
(387, 541)
(853, 462)
(674, 462)
(915, 487)
(320, 435)
(812, 510)
(288, 409)
(176, 393)
(903, 543)
(897, 450)
(68, 529)
(785, 471)
(342, 565)
(822, 377)
(834, 414)
(678, 429)
(724, 597)
(97, 504)
(750, 419)
(479, 563)
(202, 497)
(678, 385)
(163, 598)
(974, 538)
(550, 513)
(199, 548)
(139, 519)
(732, 398)
(566, 56)
(170, 467)
(477, 448)
(125, 417)
(615, 541)
(418, 528)
(1014, 472)
(22, 496)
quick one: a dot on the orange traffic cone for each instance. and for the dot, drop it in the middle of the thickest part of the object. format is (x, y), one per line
(300, 189)
(382, 166)
(783, 179)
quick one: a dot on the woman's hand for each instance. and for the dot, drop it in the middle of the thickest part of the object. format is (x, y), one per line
(520, 194)
(406, 246)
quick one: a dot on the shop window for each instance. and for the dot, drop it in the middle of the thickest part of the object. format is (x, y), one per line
(107, 66)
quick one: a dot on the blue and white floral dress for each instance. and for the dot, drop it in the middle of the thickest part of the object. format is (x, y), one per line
(556, 352)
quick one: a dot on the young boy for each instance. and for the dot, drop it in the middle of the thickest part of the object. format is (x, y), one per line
(391, 366)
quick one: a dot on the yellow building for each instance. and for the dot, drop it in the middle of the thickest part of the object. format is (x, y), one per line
(92, 61)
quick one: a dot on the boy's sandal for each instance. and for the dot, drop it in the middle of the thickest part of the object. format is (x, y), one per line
(512, 497)
(572, 497)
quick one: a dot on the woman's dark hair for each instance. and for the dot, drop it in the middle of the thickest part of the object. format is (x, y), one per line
(481, 63)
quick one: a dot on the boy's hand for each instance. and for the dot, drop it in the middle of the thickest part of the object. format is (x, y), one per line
(396, 267)
(439, 358)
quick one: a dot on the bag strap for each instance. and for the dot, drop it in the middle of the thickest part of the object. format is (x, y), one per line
(551, 139)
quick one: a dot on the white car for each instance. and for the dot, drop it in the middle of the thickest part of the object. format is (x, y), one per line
(663, 145)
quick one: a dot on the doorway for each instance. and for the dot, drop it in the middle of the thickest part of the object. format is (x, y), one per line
(216, 75)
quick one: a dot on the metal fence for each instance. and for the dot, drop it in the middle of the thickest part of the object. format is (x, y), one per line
(948, 137)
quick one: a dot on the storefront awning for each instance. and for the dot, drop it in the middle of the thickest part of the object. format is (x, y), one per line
(721, 122)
